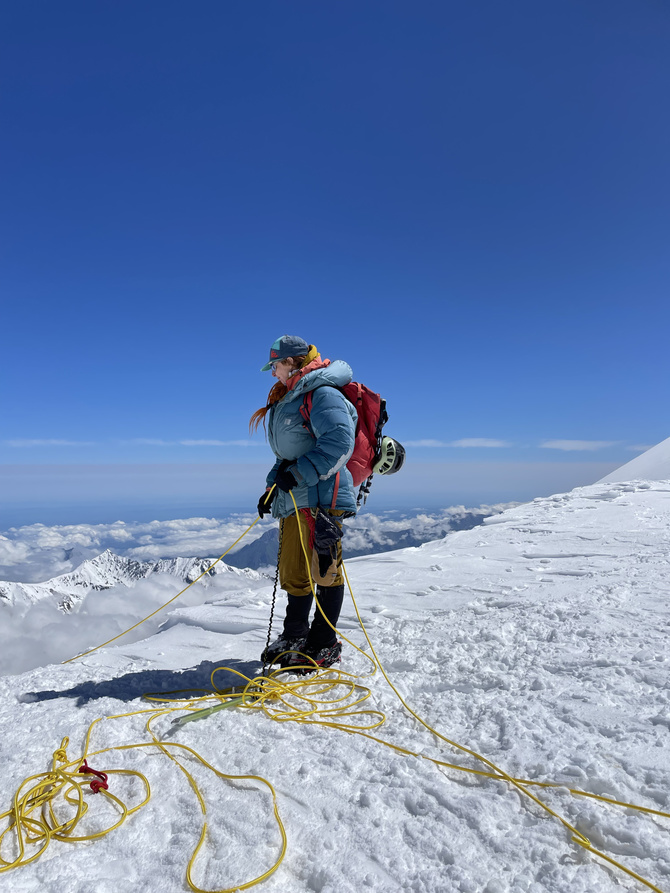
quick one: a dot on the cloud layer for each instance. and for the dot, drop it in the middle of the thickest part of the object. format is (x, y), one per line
(577, 445)
(35, 553)
(48, 442)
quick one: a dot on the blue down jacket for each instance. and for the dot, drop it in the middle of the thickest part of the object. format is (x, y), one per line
(321, 452)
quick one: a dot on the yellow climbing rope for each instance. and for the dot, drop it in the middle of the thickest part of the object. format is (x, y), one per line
(50, 806)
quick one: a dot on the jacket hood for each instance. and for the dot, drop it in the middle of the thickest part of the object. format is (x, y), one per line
(317, 374)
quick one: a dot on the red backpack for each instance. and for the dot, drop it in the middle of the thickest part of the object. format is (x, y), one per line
(372, 417)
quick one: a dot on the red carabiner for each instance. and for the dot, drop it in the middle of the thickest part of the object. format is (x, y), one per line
(95, 784)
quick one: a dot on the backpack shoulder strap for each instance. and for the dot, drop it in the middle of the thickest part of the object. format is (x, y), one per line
(306, 406)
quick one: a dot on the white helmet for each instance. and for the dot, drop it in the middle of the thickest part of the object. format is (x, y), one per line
(391, 457)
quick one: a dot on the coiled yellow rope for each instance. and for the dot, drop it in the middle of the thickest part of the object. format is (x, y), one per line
(33, 817)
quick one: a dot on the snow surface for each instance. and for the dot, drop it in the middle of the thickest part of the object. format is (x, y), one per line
(539, 640)
(654, 464)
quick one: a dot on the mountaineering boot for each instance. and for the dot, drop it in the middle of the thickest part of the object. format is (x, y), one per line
(279, 646)
(296, 627)
(322, 646)
(305, 662)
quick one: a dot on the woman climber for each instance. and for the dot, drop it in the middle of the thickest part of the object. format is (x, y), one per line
(312, 447)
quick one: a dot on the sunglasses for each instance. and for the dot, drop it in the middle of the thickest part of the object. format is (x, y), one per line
(274, 365)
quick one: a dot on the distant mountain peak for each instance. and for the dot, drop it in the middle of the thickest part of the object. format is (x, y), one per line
(109, 569)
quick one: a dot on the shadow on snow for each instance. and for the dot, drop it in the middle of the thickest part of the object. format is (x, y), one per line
(194, 681)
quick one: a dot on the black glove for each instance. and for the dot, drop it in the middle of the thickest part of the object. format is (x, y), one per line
(284, 479)
(327, 534)
(265, 502)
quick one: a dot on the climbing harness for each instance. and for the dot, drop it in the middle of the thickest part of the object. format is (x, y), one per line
(330, 698)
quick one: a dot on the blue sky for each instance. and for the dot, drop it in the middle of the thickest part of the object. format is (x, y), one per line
(470, 203)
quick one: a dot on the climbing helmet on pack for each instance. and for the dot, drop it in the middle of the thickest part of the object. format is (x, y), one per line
(391, 457)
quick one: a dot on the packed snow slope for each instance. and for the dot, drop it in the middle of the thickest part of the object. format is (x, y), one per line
(539, 640)
(654, 465)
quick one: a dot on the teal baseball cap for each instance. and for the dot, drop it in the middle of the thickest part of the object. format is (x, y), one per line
(285, 347)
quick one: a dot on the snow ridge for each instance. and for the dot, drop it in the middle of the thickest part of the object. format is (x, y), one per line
(108, 570)
(652, 465)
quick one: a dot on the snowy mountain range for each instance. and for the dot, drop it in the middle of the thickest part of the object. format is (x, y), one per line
(108, 570)
(537, 641)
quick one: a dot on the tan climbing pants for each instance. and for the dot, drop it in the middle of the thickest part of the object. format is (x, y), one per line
(293, 576)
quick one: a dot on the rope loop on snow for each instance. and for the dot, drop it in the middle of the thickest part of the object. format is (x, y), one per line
(52, 805)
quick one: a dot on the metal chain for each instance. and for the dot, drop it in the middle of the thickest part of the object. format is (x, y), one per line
(274, 599)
